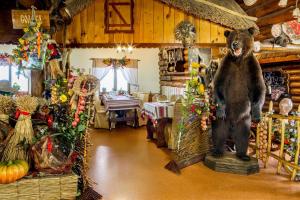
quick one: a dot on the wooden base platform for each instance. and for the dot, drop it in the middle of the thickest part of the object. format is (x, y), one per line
(231, 164)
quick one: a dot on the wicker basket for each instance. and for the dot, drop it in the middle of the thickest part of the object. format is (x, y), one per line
(41, 188)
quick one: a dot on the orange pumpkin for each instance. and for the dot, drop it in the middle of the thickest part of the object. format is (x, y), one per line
(12, 171)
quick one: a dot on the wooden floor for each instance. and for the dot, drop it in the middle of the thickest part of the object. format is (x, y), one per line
(128, 167)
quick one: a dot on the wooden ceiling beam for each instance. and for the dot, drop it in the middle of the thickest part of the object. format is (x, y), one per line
(276, 17)
(266, 7)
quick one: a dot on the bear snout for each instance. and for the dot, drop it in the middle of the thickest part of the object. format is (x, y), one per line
(235, 45)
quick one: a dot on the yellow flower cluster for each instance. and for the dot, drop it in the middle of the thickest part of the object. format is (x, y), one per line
(195, 65)
(63, 98)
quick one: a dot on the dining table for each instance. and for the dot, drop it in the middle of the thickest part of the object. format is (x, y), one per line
(118, 106)
(158, 114)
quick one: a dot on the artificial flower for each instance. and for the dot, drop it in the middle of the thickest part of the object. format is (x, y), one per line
(195, 65)
(63, 98)
(70, 92)
(201, 89)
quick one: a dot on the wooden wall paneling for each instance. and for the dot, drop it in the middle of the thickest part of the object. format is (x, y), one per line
(197, 26)
(221, 36)
(76, 27)
(148, 21)
(158, 22)
(214, 37)
(100, 35)
(169, 24)
(154, 22)
(83, 23)
(118, 37)
(178, 17)
(137, 14)
(91, 22)
(127, 37)
(204, 31)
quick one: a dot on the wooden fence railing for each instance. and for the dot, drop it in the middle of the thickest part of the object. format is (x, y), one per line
(266, 138)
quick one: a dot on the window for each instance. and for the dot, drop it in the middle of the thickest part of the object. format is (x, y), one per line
(114, 81)
(9, 74)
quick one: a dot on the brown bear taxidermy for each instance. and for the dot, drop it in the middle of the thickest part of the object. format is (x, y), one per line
(239, 92)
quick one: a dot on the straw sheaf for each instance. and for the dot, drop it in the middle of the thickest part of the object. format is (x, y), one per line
(27, 103)
(6, 104)
(215, 14)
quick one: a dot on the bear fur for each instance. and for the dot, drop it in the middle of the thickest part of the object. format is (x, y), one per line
(239, 92)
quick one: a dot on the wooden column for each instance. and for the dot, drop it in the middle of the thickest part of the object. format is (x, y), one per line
(37, 83)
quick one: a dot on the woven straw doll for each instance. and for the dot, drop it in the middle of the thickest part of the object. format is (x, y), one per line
(18, 144)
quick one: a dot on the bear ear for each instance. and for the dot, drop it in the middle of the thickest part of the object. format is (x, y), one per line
(251, 30)
(226, 33)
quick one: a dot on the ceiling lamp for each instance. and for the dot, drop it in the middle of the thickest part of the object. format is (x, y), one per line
(282, 3)
(250, 2)
(124, 48)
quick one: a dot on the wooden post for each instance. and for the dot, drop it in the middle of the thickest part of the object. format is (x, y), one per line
(37, 83)
(257, 142)
(279, 166)
(270, 124)
(294, 173)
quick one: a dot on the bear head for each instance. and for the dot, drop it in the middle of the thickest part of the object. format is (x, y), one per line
(240, 42)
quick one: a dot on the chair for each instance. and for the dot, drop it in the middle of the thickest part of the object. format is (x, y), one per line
(144, 97)
(159, 97)
(101, 117)
(174, 98)
(171, 130)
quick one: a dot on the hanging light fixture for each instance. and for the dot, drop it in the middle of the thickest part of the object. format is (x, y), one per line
(282, 3)
(125, 48)
(249, 2)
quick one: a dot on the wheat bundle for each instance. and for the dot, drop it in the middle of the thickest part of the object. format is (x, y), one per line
(6, 105)
(19, 142)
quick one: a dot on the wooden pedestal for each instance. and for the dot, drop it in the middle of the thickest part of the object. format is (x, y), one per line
(231, 164)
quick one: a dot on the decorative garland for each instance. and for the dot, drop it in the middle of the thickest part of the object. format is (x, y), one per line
(77, 87)
(5, 59)
(116, 62)
(185, 32)
(31, 52)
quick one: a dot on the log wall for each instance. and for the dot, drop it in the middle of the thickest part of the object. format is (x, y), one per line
(293, 72)
(154, 23)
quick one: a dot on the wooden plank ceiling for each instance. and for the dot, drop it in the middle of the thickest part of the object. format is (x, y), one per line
(268, 13)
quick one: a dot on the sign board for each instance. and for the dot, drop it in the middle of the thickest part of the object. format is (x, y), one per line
(21, 18)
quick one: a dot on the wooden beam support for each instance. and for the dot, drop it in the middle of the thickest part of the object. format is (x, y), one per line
(276, 17)
(280, 59)
(266, 7)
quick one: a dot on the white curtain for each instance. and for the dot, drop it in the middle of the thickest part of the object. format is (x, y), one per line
(101, 72)
(130, 74)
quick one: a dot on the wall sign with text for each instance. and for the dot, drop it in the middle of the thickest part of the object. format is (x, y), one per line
(21, 18)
